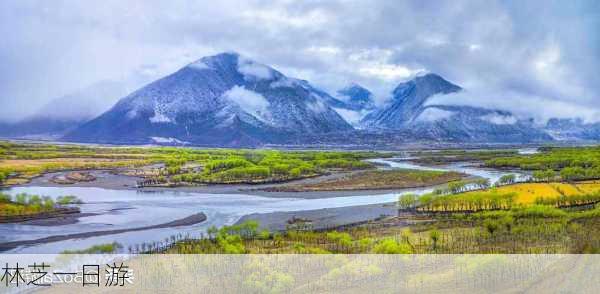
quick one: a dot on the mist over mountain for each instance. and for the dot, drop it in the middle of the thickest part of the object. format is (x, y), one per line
(65, 113)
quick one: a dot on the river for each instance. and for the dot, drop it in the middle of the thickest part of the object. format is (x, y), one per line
(122, 209)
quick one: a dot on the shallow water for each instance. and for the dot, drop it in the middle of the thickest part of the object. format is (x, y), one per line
(118, 209)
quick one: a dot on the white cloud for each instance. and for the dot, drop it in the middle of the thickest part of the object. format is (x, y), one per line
(432, 114)
(253, 70)
(351, 116)
(284, 83)
(499, 119)
(249, 101)
(496, 45)
(521, 105)
(199, 65)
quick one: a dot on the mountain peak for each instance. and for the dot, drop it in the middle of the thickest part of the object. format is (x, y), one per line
(428, 84)
(211, 100)
(356, 97)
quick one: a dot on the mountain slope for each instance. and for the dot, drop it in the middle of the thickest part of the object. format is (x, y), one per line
(222, 100)
(409, 111)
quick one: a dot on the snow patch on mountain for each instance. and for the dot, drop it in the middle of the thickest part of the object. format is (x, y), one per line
(163, 140)
(431, 114)
(253, 70)
(159, 118)
(499, 119)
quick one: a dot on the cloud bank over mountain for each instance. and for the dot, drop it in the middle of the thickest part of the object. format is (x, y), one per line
(517, 56)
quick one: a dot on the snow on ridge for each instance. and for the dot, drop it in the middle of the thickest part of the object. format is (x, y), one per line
(253, 70)
(434, 114)
(249, 101)
(499, 119)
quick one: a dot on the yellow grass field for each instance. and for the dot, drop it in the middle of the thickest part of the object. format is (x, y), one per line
(528, 192)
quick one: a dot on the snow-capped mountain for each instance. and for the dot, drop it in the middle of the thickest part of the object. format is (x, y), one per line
(224, 100)
(409, 111)
(408, 102)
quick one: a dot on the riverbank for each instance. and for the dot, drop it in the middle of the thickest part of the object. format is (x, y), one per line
(323, 218)
(187, 221)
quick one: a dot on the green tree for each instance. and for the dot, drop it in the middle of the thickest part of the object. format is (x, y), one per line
(506, 180)
(407, 201)
(434, 235)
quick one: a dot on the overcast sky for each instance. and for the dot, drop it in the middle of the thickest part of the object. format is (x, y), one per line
(537, 58)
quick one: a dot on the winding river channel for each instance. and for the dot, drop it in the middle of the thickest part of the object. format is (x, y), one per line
(126, 209)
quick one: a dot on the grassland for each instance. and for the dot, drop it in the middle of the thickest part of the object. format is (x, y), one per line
(162, 166)
(380, 179)
(535, 229)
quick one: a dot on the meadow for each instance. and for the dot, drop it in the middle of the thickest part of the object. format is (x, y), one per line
(20, 162)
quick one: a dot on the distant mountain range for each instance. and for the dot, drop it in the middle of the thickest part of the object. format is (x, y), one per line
(409, 110)
(229, 100)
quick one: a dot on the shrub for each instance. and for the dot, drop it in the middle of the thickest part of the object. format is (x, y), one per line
(390, 246)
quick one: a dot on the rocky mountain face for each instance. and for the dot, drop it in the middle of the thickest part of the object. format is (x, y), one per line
(409, 110)
(221, 100)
